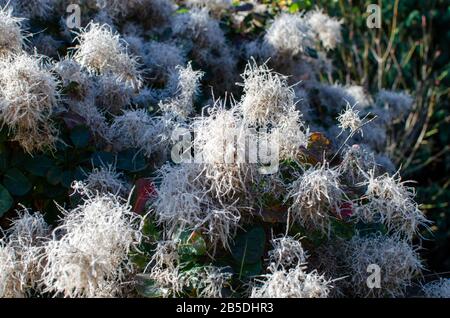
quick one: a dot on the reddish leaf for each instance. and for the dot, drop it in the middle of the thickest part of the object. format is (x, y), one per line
(144, 190)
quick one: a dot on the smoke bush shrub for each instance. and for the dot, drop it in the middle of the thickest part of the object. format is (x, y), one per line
(180, 173)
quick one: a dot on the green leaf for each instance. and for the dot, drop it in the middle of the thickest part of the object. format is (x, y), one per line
(146, 287)
(131, 160)
(4, 157)
(248, 247)
(80, 136)
(38, 165)
(16, 182)
(54, 175)
(191, 244)
(250, 270)
(6, 201)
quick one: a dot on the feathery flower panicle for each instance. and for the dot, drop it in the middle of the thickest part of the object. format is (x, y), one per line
(10, 283)
(332, 97)
(314, 195)
(393, 106)
(194, 209)
(359, 95)
(292, 283)
(91, 258)
(267, 95)
(216, 7)
(94, 118)
(327, 29)
(136, 128)
(184, 85)
(356, 160)
(128, 129)
(69, 71)
(28, 97)
(392, 203)
(202, 36)
(117, 8)
(20, 254)
(219, 143)
(102, 51)
(198, 26)
(106, 180)
(349, 119)
(437, 289)
(31, 9)
(287, 252)
(291, 135)
(27, 228)
(11, 35)
(151, 14)
(209, 281)
(161, 58)
(45, 44)
(288, 35)
(164, 268)
(112, 94)
(399, 263)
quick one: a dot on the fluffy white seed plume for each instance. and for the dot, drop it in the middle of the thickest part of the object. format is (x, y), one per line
(11, 35)
(392, 203)
(112, 94)
(184, 85)
(355, 161)
(102, 51)
(287, 252)
(288, 36)
(291, 135)
(10, 283)
(31, 9)
(161, 59)
(27, 228)
(198, 26)
(315, 195)
(91, 256)
(20, 253)
(203, 37)
(350, 119)
(327, 29)
(164, 269)
(393, 106)
(359, 95)
(70, 71)
(136, 128)
(106, 180)
(293, 283)
(208, 281)
(399, 263)
(28, 97)
(216, 7)
(267, 95)
(437, 289)
(219, 143)
(194, 209)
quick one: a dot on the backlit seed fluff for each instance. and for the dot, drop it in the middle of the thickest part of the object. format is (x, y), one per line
(288, 35)
(398, 261)
(28, 98)
(437, 289)
(103, 51)
(315, 195)
(267, 95)
(11, 35)
(327, 29)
